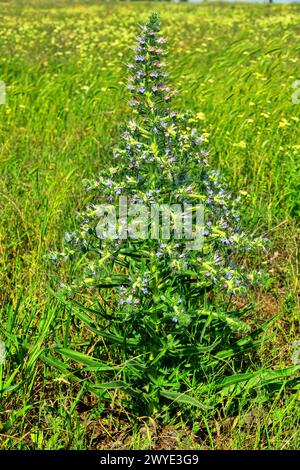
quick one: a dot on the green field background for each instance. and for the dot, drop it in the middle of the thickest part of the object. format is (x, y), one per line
(64, 67)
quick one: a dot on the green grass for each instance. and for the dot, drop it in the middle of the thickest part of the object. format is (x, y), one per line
(63, 64)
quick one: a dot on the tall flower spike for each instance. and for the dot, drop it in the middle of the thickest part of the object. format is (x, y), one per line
(148, 82)
(160, 299)
(160, 161)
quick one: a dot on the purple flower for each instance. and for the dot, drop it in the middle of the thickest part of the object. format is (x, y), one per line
(139, 58)
(217, 259)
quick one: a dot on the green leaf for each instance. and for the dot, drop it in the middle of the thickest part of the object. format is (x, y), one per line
(109, 336)
(183, 398)
(84, 359)
(114, 385)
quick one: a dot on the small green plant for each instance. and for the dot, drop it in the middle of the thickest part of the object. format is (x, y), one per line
(161, 305)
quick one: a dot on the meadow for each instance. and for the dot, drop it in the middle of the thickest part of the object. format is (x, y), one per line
(64, 67)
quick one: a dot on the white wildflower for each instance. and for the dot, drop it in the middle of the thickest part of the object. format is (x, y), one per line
(2, 352)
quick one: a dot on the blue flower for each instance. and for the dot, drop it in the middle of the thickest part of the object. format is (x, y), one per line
(68, 237)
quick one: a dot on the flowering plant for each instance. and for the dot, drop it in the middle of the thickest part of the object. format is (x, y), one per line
(158, 301)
